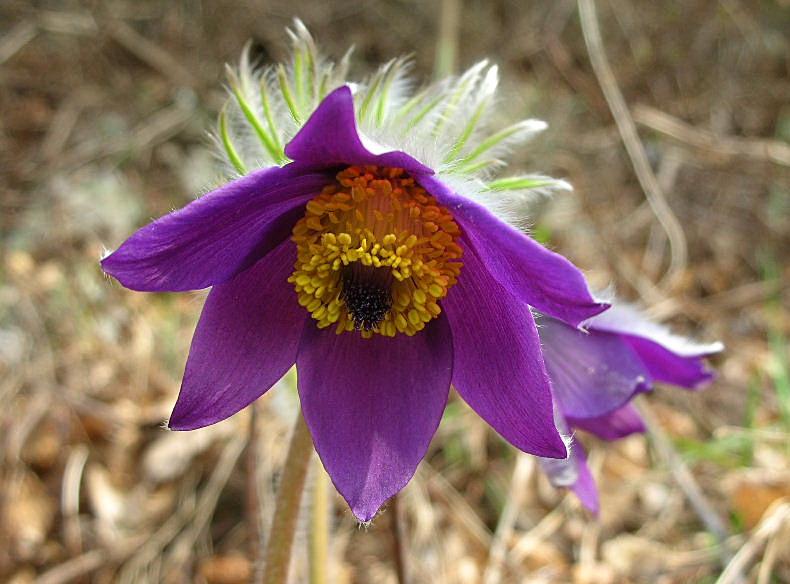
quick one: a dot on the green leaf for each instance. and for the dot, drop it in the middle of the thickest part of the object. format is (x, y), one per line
(285, 89)
(268, 113)
(227, 143)
(518, 183)
(253, 120)
(372, 90)
(496, 139)
(428, 108)
(467, 132)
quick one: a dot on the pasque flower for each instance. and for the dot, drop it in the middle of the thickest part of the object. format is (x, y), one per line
(364, 242)
(596, 373)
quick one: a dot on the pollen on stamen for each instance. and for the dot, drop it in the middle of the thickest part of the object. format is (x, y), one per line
(376, 253)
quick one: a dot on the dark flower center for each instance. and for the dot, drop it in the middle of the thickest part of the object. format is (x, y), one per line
(366, 292)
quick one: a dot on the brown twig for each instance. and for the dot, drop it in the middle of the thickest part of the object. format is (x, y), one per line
(724, 146)
(634, 147)
(207, 502)
(776, 518)
(686, 481)
(70, 498)
(150, 53)
(682, 475)
(504, 529)
(15, 39)
(469, 521)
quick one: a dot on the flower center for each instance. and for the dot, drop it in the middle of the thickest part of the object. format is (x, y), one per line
(376, 253)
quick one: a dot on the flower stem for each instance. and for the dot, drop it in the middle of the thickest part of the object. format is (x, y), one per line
(400, 552)
(319, 530)
(286, 512)
(253, 502)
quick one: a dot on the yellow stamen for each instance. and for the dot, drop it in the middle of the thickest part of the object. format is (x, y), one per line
(376, 253)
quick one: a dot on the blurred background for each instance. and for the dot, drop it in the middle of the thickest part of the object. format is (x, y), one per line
(104, 113)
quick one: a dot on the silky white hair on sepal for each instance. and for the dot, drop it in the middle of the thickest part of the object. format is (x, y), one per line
(446, 125)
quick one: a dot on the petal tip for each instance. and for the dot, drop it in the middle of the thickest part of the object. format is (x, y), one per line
(113, 267)
(365, 514)
(596, 308)
(557, 447)
(593, 507)
(703, 380)
(183, 421)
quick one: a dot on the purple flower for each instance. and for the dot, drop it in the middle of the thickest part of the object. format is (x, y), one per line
(596, 374)
(364, 267)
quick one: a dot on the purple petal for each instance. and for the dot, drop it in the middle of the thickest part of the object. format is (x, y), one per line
(613, 426)
(331, 138)
(246, 340)
(591, 373)
(584, 487)
(537, 276)
(498, 366)
(669, 358)
(373, 405)
(663, 365)
(573, 473)
(217, 236)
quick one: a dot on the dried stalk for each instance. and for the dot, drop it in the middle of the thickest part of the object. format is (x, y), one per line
(636, 151)
(289, 498)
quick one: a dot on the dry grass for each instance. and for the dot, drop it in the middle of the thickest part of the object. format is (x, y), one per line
(104, 108)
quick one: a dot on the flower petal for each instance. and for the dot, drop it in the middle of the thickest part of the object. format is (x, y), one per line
(592, 373)
(573, 473)
(498, 368)
(331, 138)
(664, 365)
(668, 357)
(217, 236)
(373, 405)
(537, 276)
(246, 340)
(613, 426)
(584, 487)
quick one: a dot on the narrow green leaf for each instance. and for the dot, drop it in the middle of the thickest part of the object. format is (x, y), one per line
(406, 108)
(370, 93)
(252, 118)
(381, 106)
(285, 88)
(493, 141)
(475, 167)
(312, 67)
(323, 86)
(428, 108)
(227, 143)
(299, 78)
(517, 183)
(467, 132)
(463, 86)
(269, 115)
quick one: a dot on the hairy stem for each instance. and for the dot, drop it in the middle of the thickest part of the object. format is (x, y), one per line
(253, 502)
(399, 542)
(319, 528)
(286, 512)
